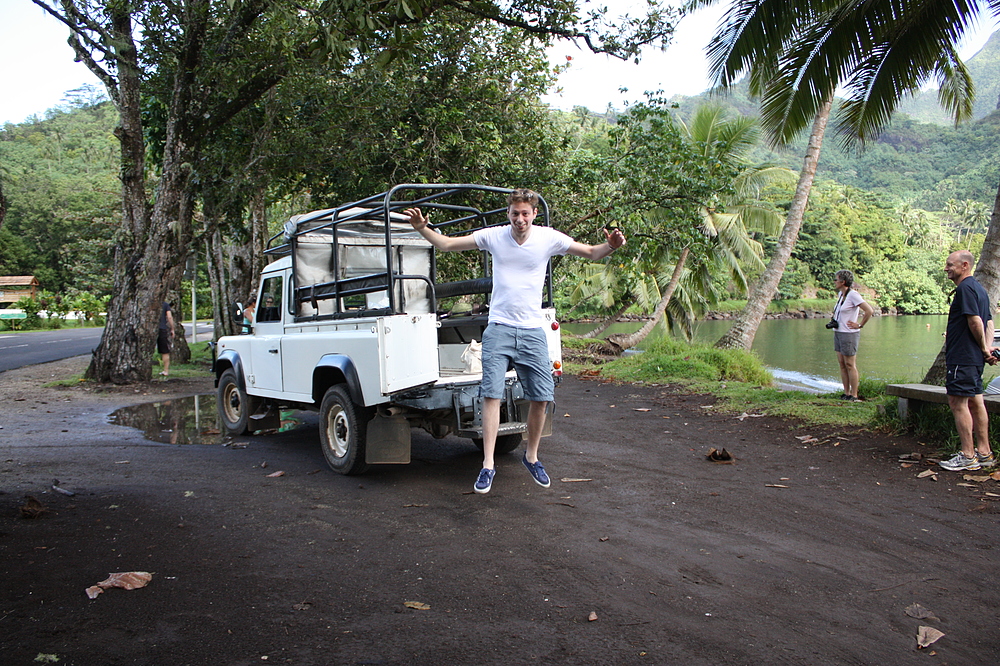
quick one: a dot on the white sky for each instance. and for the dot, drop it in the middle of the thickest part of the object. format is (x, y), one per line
(38, 68)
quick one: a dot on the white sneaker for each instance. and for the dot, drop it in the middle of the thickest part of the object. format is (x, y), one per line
(959, 463)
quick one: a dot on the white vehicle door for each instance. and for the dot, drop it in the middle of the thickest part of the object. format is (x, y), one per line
(265, 346)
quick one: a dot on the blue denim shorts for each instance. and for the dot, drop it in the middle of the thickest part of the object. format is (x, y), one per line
(964, 380)
(524, 349)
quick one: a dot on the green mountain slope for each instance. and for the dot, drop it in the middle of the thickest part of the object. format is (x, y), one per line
(985, 69)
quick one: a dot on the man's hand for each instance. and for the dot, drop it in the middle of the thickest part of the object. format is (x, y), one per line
(615, 238)
(992, 355)
(417, 218)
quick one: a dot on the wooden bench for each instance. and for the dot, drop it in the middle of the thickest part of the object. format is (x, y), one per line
(912, 397)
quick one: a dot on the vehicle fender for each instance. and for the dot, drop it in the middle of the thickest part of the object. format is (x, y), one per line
(230, 359)
(336, 369)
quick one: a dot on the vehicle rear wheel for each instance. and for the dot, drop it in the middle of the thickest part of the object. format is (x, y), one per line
(234, 405)
(505, 443)
(343, 428)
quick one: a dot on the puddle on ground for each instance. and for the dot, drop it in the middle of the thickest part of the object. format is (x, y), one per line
(191, 420)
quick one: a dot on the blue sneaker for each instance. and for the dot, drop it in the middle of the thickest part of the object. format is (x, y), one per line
(537, 472)
(485, 480)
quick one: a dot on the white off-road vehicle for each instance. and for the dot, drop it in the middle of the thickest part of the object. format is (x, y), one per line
(351, 321)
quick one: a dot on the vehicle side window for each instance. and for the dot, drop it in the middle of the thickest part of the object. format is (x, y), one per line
(270, 301)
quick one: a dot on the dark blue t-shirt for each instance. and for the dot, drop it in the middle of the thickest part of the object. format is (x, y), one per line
(165, 308)
(960, 348)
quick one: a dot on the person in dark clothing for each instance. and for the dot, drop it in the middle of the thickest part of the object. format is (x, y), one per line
(165, 337)
(968, 347)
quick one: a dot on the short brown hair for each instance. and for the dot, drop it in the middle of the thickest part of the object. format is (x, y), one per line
(523, 195)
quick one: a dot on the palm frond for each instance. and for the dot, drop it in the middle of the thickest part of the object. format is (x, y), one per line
(749, 35)
(956, 90)
(915, 45)
(752, 180)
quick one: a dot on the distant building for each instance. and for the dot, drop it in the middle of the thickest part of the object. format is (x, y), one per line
(14, 287)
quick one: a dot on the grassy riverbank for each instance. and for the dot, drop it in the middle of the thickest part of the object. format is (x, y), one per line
(743, 387)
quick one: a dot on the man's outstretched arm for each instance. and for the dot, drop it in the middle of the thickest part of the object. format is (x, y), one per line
(597, 252)
(438, 240)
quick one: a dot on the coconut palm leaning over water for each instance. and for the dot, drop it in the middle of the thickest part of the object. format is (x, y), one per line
(726, 222)
(796, 54)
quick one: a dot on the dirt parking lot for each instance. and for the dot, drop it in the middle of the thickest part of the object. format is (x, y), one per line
(641, 552)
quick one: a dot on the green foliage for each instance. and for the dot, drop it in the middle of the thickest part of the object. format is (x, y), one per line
(31, 308)
(668, 360)
(908, 290)
(89, 305)
(60, 179)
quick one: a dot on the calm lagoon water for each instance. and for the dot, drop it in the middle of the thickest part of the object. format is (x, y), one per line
(800, 351)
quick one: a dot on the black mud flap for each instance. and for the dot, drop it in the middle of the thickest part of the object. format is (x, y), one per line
(388, 441)
(267, 418)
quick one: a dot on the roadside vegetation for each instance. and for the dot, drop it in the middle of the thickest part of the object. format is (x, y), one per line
(744, 388)
(199, 365)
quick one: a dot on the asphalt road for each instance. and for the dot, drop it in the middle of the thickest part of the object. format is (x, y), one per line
(21, 349)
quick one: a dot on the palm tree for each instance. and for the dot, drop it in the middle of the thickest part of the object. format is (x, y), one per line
(798, 53)
(728, 220)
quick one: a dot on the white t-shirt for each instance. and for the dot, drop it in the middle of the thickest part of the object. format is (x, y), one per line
(519, 272)
(848, 311)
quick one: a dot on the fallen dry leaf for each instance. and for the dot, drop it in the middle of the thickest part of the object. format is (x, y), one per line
(926, 473)
(275, 474)
(905, 465)
(412, 506)
(774, 485)
(305, 605)
(570, 480)
(991, 495)
(592, 617)
(976, 478)
(927, 635)
(967, 485)
(640, 409)
(566, 415)
(803, 438)
(128, 580)
(416, 605)
(604, 539)
(717, 456)
(919, 612)
(995, 476)
(32, 508)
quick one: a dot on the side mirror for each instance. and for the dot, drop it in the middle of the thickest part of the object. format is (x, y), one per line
(237, 311)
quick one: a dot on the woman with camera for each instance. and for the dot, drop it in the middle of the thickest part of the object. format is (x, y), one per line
(847, 330)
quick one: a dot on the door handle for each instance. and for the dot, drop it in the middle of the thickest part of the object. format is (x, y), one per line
(272, 351)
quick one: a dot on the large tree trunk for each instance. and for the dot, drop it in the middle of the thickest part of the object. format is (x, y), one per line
(152, 242)
(622, 341)
(744, 328)
(124, 353)
(988, 275)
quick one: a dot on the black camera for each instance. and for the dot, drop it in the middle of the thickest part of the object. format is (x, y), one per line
(832, 323)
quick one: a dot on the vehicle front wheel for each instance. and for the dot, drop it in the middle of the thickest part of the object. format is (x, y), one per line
(235, 406)
(505, 443)
(343, 428)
